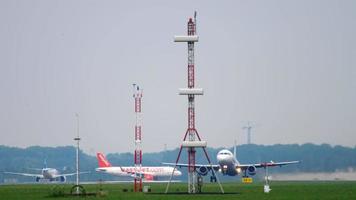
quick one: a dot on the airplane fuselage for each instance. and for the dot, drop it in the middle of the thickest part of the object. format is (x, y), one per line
(49, 173)
(227, 162)
(130, 171)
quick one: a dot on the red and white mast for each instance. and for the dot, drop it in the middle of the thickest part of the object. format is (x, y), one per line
(137, 94)
(191, 139)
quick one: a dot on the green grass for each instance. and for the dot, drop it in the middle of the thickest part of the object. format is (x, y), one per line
(280, 190)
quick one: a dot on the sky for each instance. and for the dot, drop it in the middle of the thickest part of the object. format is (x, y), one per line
(286, 66)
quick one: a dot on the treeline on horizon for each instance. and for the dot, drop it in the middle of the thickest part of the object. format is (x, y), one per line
(314, 158)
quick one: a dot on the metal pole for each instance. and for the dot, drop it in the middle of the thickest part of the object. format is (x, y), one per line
(77, 154)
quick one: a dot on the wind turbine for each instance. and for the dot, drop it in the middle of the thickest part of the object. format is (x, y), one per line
(248, 128)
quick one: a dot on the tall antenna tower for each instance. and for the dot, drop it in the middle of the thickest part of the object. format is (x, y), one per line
(191, 139)
(248, 128)
(137, 94)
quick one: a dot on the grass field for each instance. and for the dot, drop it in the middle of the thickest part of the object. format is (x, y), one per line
(280, 190)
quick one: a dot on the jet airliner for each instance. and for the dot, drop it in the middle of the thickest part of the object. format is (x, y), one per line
(149, 174)
(228, 165)
(49, 174)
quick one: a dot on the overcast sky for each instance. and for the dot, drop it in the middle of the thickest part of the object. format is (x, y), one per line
(288, 66)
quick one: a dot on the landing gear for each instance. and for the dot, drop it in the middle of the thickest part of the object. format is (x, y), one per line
(213, 179)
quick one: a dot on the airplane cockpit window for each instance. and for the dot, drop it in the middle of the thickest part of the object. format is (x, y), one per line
(225, 153)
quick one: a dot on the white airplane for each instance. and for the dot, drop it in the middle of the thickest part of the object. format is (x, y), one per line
(149, 174)
(228, 165)
(49, 174)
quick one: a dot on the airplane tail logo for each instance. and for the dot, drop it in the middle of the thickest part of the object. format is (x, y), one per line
(103, 162)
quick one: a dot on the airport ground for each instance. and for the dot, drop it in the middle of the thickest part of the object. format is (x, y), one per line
(280, 190)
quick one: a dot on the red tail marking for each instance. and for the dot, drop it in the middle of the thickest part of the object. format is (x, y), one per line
(103, 162)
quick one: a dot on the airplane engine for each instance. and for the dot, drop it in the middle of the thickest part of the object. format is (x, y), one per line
(203, 170)
(251, 170)
(62, 179)
(38, 179)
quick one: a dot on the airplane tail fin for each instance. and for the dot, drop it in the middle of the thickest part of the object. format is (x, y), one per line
(235, 149)
(102, 161)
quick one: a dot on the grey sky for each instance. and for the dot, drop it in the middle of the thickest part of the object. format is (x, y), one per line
(289, 66)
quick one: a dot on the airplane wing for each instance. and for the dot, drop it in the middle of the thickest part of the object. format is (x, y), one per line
(130, 181)
(162, 181)
(142, 173)
(215, 167)
(38, 169)
(267, 164)
(70, 174)
(133, 173)
(146, 176)
(243, 166)
(25, 174)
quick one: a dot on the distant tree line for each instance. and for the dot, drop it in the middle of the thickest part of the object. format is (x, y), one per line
(314, 158)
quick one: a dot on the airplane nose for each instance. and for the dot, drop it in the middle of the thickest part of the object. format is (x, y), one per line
(178, 173)
(220, 157)
(224, 158)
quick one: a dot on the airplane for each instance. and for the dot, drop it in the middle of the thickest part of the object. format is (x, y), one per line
(149, 174)
(228, 165)
(49, 174)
